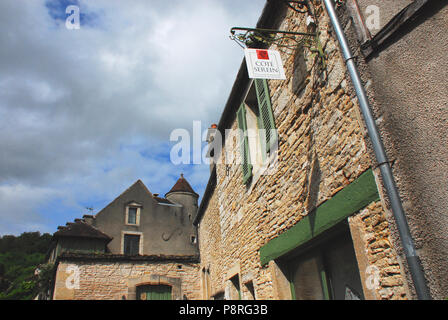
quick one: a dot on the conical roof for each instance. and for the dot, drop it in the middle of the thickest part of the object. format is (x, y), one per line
(182, 185)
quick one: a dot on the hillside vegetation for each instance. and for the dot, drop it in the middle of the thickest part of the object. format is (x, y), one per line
(19, 258)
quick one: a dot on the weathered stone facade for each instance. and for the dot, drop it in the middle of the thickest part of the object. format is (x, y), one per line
(321, 151)
(163, 256)
(118, 280)
(371, 234)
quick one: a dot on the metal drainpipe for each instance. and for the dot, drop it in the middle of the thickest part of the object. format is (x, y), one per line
(386, 172)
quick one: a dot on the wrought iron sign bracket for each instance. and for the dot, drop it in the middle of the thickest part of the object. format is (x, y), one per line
(284, 40)
(258, 37)
(261, 38)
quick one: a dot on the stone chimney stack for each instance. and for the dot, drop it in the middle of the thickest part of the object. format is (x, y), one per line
(88, 218)
(210, 138)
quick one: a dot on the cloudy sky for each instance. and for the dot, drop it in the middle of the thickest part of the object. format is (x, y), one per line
(85, 113)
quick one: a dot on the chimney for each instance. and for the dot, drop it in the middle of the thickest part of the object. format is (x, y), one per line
(211, 133)
(88, 219)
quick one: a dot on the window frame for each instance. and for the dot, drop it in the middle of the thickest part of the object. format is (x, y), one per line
(246, 163)
(206, 285)
(235, 285)
(252, 293)
(133, 233)
(265, 121)
(136, 206)
(266, 116)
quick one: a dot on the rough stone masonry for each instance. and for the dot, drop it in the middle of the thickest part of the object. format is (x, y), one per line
(321, 150)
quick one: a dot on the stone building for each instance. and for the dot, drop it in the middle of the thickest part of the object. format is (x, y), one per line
(298, 211)
(140, 246)
(311, 220)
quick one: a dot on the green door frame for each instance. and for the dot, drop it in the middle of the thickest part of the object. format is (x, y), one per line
(346, 202)
(326, 291)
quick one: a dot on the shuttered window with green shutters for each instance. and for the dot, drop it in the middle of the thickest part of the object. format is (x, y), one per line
(244, 144)
(266, 120)
(258, 96)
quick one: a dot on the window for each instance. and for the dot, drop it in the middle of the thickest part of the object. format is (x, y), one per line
(258, 137)
(235, 291)
(266, 118)
(131, 244)
(250, 290)
(132, 214)
(327, 271)
(206, 291)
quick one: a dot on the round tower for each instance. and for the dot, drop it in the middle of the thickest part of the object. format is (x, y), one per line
(182, 193)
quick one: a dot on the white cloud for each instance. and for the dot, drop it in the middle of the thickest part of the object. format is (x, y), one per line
(72, 101)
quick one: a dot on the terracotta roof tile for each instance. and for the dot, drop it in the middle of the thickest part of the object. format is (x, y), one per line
(80, 229)
(182, 185)
(163, 200)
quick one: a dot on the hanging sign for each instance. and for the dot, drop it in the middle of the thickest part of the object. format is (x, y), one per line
(264, 64)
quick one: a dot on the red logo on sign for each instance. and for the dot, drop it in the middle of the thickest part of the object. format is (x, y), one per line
(262, 54)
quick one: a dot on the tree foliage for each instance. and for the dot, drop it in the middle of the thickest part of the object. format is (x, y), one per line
(19, 258)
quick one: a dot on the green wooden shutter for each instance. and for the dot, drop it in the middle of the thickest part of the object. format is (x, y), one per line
(160, 292)
(244, 143)
(154, 292)
(266, 121)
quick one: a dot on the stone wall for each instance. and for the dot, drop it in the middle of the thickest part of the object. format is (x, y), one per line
(381, 272)
(210, 246)
(321, 150)
(102, 280)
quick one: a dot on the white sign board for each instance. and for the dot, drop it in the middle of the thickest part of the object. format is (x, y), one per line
(264, 64)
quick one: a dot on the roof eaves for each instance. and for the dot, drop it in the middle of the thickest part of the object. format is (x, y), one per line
(65, 231)
(72, 256)
(269, 19)
(206, 198)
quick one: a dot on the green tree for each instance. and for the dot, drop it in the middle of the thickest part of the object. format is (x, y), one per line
(19, 258)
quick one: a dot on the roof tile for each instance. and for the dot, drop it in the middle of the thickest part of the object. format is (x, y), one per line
(182, 185)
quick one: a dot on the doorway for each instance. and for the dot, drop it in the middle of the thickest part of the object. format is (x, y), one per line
(154, 292)
(326, 270)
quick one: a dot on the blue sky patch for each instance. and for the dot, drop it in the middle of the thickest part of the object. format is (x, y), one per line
(57, 11)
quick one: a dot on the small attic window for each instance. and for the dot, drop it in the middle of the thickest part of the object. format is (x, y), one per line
(132, 214)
